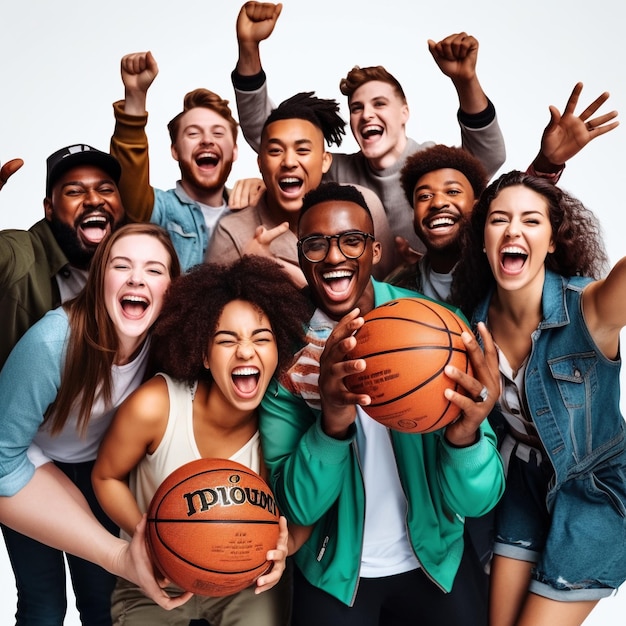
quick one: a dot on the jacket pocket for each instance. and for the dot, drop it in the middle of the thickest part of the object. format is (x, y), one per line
(177, 230)
(575, 376)
(608, 484)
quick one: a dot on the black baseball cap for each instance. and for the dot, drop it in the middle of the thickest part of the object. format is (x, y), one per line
(66, 158)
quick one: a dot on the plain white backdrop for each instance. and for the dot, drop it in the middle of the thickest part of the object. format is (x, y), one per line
(60, 74)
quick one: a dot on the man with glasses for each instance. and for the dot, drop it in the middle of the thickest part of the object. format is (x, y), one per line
(386, 508)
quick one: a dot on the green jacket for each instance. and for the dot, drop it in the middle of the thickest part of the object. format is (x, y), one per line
(317, 481)
(29, 262)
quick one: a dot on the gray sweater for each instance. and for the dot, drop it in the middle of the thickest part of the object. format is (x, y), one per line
(480, 135)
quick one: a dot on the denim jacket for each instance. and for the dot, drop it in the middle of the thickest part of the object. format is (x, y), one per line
(182, 217)
(572, 393)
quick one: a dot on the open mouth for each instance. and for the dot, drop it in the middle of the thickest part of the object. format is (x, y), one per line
(134, 306)
(94, 228)
(290, 185)
(207, 159)
(513, 258)
(337, 283)
(246, 380)
(440, 221)
(371, 130)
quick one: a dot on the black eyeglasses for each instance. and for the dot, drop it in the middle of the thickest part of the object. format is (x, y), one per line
(351, 244)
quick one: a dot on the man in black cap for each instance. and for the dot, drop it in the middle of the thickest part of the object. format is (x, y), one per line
(44, 266)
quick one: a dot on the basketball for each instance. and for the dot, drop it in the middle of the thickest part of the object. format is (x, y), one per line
(406, 344)
(210, 525)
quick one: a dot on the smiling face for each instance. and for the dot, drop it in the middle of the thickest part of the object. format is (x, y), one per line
(84, 206)
(339, 284)
(136, 277)
(518, 236)
(378, 116)
(242, 355)
(442, 200)
(292, 160)
(205, 150)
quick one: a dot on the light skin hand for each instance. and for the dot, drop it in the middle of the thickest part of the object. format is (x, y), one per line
(138, 69)
(263, 238)
(456, 57)
(137, 567)
(278, 556)
(338, 402)
(260, 246)
(567, 134)
(8, 169)
(255, 22)
(485, 369)
(245, 192)
(406, 253)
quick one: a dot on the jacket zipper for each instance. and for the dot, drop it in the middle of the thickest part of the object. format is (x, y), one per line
(406, 523)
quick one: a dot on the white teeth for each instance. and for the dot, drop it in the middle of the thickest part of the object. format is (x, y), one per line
(290, 181)
(245, 371)
(95, 219)
(513, 250)
(337, 274)
(441, 221)
(371, 129)
(207, 155)
(135, 299)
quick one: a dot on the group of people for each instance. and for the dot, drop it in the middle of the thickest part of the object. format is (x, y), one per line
(145, 328)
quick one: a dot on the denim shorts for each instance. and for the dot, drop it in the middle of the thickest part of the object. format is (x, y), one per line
(571, 562)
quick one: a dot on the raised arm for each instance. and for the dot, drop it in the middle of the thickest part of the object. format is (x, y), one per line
(129, 143)
(604, 304)
(567, 134)
(255, 22)
(8, 169)
(456, 56)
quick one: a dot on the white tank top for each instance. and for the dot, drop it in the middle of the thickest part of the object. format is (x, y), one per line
(178, 446)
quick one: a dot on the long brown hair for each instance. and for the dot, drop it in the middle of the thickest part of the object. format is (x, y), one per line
(92, 341)
(579, 249)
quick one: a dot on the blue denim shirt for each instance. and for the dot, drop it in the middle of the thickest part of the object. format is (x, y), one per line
(572, 393)
(182, 217)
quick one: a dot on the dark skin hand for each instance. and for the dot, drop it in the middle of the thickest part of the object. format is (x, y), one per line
(8, 169)
(339, 403)
(463, 432)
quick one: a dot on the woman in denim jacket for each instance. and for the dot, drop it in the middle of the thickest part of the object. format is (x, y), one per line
(560, 541)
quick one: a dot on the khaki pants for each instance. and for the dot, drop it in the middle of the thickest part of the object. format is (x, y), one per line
(130, 607)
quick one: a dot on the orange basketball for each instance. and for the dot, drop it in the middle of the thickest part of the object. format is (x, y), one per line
(210, 525)
(406, 344)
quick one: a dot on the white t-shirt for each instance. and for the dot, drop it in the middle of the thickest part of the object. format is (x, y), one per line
(69, 446)
(386, 547)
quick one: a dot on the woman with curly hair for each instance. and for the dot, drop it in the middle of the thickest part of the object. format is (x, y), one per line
(531, 272)
(224, 332)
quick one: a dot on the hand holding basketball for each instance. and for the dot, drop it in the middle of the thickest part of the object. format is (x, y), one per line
(278, 557)
(407, 344)
(211, 525)
(338, 401)
(485, 375)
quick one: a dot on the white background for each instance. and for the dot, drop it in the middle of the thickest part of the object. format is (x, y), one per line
(60, 74)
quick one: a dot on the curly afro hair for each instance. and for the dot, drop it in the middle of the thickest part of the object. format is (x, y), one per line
(441, 157)
(195, 301)
(322, 113)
